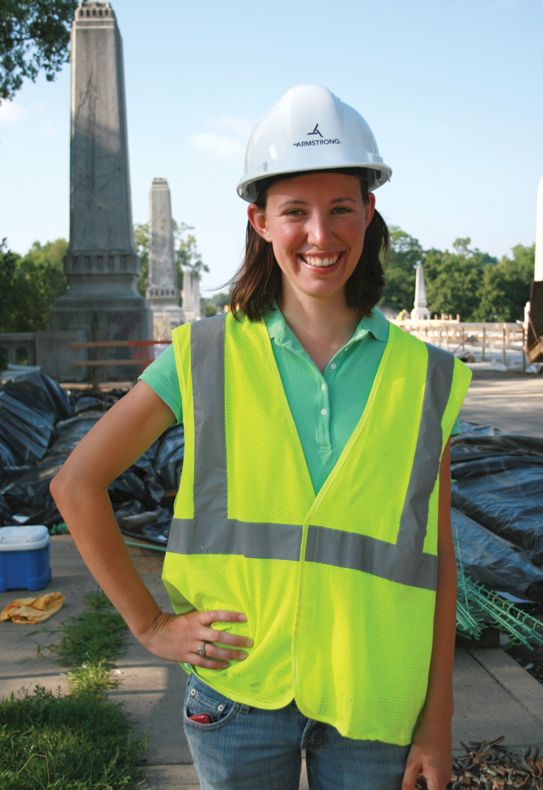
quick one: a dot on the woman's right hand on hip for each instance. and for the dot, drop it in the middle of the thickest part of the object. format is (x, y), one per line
(177, 637)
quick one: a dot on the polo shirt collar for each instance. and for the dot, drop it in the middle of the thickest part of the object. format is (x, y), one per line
(278, 330)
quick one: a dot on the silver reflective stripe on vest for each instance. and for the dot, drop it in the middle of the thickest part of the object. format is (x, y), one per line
(207, 369)
(212, 532)
(254, 541)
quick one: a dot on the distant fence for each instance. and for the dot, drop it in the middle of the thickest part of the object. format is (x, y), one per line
(456, 335)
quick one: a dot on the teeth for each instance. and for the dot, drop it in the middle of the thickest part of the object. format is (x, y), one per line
(321, 262)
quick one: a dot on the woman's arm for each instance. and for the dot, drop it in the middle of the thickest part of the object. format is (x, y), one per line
(431, 750)
(80, 490)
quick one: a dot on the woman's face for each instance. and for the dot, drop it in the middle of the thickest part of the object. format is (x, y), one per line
(316, 225)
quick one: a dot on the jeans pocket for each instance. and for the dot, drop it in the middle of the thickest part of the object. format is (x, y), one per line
(202, 699)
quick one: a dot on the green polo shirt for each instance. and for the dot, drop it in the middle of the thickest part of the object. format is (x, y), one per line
(326, 407)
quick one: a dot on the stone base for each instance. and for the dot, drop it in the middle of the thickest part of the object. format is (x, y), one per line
(54, 355)
(106, 320)
(420, 314)
(164, 320)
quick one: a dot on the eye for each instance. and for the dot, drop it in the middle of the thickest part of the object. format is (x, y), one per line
(341, 210)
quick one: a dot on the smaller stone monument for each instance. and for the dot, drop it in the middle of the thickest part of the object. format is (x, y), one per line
(420, 310)
(162, 292)
(191, 296)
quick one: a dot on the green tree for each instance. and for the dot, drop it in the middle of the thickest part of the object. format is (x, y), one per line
(186, 252)
(453, 279)
(505, 286)
(29, 285)
(34, 36)
(405, 253)
(141, 240)
(216, 304)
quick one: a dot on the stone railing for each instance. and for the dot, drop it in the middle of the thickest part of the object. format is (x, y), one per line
(18, 348)
(455, 336)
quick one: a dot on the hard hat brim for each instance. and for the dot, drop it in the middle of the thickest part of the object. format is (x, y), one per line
(248, 189)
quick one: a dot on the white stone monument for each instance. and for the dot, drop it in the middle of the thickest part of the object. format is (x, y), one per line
(191, 296)
(420, 310)
(162, 293)
(101, 265)
(538, 269)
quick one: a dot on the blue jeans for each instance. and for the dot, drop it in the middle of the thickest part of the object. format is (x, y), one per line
(248, 748)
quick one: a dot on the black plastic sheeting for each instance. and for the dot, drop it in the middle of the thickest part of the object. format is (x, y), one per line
(498, 483)
(40, 425)
(169, 452)
(493, 561)
(29, 408)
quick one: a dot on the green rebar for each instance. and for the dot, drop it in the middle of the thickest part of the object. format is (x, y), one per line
(477, 605)
(145, 546)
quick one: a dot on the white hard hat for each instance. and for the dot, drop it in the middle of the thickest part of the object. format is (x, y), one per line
(310, 129)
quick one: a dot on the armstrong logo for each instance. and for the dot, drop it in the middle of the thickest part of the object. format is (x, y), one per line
(320, 140)
(315, 131)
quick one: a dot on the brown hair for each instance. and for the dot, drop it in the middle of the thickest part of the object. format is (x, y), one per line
(257, 283)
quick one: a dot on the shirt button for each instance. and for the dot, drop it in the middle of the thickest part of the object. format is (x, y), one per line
(323, 386)
(333, 366)
(323, 412)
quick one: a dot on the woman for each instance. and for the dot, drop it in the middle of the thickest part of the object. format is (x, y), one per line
(310, 560)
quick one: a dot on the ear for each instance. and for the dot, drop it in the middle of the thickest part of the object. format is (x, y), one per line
(257, 218)
(370, 208)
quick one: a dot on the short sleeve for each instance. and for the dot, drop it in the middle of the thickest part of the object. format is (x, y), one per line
(161, 376)
(456, 427)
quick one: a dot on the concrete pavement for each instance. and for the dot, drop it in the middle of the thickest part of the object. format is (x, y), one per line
(509, 400)
(493, 694)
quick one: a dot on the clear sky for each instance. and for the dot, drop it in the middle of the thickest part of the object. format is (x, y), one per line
(452, 90)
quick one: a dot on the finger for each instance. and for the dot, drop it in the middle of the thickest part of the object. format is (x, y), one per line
(435, 781)
(226, 638)
(212, 651)
(198, 661)
(412, 770)
(221, 616)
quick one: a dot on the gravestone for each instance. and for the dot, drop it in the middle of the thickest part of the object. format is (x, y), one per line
(101, 264)
(162, 292)
(420, 310)
(191, 296)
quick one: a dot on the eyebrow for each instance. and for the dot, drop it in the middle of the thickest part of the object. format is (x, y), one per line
(304, 202)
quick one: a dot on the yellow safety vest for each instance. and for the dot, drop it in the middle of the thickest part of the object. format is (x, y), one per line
(338, 588)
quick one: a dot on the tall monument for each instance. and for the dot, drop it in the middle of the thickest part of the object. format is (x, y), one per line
(163, 292)
(420, 310)
(191, 296)
(101, 265)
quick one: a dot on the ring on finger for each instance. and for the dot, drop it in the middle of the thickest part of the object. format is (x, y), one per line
(202, 650)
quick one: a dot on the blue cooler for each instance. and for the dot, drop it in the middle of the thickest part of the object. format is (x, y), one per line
(24, 558)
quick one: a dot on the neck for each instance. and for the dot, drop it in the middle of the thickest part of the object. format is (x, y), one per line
(322, 326)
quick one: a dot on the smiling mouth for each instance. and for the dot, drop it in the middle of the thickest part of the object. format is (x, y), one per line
(322, 263)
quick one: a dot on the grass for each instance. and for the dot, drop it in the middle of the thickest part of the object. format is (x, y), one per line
(79, 741)
(95, 636)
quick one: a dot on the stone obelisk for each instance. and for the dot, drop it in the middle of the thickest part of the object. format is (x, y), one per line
(420, 310)
(191, 296)
(101, 265)
(163, 292)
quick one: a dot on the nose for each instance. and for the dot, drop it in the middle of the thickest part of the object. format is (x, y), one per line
(319, 229)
